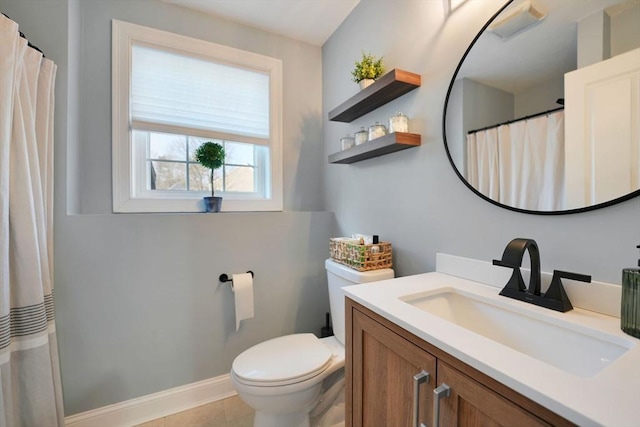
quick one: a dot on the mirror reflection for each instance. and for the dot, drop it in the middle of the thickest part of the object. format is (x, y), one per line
(543, 113)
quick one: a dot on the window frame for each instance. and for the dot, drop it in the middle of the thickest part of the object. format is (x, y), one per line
(125, 198)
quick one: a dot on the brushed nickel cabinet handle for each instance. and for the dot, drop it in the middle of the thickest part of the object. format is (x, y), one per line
(443, 391)
(419, 378)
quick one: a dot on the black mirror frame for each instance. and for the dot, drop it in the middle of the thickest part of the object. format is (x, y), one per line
(446, 146)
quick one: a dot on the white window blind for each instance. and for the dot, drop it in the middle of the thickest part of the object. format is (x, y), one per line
(187, 92)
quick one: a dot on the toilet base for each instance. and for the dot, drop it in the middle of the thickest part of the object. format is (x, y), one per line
(279, 407)
(294, 419)
(328, 406)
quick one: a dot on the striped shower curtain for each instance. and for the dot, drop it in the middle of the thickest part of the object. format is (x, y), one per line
(30, 390)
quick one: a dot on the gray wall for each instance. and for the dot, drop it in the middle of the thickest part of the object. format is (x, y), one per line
(413, 198)
(625, 31)
(608, 33)
(476, 96)
(138, 305)
(539, 98)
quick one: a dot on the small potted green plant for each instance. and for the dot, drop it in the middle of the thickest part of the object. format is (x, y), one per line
(367, 70)
(211, 156)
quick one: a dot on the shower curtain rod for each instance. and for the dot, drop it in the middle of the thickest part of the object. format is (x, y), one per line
(517, 120)
(24, 37)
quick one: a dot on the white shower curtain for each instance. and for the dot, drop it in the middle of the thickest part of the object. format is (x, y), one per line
(520, 164)
(30, 388)
(483, 163)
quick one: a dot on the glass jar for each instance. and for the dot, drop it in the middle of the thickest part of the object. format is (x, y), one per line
(347, 142)
(376, 131)
(361, 136)
(398, 123)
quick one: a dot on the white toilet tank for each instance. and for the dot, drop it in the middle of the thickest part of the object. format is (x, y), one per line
(339, 276)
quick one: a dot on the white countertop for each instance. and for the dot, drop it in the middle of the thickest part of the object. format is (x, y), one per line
(609, 398)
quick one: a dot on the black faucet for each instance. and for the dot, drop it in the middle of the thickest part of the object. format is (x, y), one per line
(555, 298)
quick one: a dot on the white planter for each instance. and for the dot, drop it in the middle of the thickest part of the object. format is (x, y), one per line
(366, 82)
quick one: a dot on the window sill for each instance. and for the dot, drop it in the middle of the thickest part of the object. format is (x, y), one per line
(194, 206)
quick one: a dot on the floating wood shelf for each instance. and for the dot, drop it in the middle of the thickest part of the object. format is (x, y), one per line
(387, 88)
(376, 147)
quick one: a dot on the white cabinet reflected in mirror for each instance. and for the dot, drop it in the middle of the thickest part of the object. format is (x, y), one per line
(542, 114)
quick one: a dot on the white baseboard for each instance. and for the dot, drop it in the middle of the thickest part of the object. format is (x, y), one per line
(157, 405)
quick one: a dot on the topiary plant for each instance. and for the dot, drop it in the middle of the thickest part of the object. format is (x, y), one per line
(210, 155)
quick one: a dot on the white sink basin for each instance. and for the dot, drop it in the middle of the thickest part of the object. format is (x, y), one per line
(574, 349)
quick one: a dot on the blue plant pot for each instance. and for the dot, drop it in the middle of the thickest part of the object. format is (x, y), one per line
(212, 204)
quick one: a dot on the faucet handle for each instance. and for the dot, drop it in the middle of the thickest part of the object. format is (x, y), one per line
(568, 275)
(556, 290)
(501, 263)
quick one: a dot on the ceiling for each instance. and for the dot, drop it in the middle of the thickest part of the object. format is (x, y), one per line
(311, 21)
(546, 50)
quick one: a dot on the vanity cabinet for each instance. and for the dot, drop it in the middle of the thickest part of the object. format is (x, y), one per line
(382, 360)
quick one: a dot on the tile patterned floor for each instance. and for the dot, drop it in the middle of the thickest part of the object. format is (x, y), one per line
(231, 412)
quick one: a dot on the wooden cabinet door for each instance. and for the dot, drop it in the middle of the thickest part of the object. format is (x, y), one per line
(382, 366)
(470, 404)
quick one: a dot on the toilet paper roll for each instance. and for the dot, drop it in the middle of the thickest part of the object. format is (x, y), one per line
(243, 292)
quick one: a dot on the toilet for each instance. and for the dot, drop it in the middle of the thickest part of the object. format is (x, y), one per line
(282, 378)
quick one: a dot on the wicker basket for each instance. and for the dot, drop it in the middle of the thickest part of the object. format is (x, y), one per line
(361, 257)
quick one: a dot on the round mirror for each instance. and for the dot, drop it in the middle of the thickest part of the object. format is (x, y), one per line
(542, 113)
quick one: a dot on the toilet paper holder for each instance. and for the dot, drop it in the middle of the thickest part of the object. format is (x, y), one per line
(225, 278)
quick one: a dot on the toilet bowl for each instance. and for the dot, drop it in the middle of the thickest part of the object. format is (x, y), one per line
(282, 378)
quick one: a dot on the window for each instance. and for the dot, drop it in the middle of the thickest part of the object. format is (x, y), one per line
(171, 93)
(168, 167)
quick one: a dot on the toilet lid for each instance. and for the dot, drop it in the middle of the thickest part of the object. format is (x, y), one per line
(283, 360)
